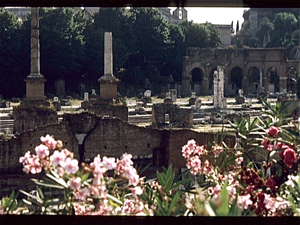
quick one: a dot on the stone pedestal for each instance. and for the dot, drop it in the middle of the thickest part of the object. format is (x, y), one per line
(35, 88)
(108, 87)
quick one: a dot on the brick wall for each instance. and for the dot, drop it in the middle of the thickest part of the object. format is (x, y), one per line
(104, 136)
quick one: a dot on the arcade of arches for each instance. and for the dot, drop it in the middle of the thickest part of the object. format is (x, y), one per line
(250, 69)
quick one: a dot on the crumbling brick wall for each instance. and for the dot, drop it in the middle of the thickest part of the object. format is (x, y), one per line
(179, 117)
(113, 137)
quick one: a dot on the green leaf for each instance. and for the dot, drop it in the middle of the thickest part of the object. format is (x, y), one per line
(209, 209)
(223, 202)
(42, 183)
(174, 201)
(58, 180)
(160, 177)
(169, 182)
(169, 172)
(114, 199)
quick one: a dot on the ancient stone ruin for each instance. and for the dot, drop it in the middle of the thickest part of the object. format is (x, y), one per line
(178, 117)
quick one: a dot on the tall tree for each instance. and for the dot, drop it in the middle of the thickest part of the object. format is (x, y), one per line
(62, 46)
(200, 35)
(10, 57)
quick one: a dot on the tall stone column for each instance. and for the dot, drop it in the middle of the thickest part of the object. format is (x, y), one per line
(35, 111)
(108, 82)
(108, 54)
(35, 80)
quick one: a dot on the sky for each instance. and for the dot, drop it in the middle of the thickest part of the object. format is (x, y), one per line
(216, 15)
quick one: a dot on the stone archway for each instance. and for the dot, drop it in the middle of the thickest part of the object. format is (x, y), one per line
(197, 78)
(254, 80)
(273, 80)
(236, 80)
(292, 80)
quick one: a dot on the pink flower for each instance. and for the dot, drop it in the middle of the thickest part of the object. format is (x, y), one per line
(57, 158)
(96, 180)
(97, 166)
(94, 190)
(42, 151)
(35, 166)
(273, 131)
(191, 144)
(60, 171)
(71, 165)
(290, 157)
(49, 141)
(102, 190)
(136, 191)
(31, 163)
(239, 158)
(75, 183)
(25, 159)
(218, 150)
(126, 159)
(280, 145)
(186, 152)
(267, 144)
(129, 172)
(271, 183)
(109, 163)
(244, 201)
(83, 193)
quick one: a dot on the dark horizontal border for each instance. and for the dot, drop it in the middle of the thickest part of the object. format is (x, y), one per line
(154, 3)
(132, 220)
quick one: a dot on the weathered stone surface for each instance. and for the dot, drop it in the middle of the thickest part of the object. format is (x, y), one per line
(240, 99)
(178, 117)
(104, 136)
(31, 114)
(102, 108)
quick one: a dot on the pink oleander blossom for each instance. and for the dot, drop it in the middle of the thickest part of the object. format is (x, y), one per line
(126, 159)
(132, 176)
(94, 190)
(35, 166)
(58, 158)
(217, 150)
(136, 191)
(98, 167)
(31, 163)
(271, 183)
(25, 159)
(273, 131)
(83, 193)
(109, 163)
(42, 151)
(239, 158)
(103, 208)
(244, 201)
(71, 166)
(49, 141)
(60, 171)
(289, 157)
(75, 183)
(267, 144)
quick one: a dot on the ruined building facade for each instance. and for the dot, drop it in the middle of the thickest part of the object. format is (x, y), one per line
(251, 69)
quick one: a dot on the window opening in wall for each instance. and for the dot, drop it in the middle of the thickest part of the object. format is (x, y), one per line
(167, 118)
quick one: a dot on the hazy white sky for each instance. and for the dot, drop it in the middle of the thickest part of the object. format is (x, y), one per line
(216, 15)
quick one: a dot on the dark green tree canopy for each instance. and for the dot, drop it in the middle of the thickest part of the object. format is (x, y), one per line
(145, 45)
